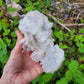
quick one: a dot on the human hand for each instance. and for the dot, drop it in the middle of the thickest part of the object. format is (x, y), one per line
(20, 68)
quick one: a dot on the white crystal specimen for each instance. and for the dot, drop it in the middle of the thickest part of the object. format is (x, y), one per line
(38, 39)
(14, 5)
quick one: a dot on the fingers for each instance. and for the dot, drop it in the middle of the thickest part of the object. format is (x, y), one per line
(59, 67)
(18, 46)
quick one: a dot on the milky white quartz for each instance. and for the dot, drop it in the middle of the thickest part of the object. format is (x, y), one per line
(38, 39)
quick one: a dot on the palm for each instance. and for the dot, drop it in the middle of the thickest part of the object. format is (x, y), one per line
(25, 68)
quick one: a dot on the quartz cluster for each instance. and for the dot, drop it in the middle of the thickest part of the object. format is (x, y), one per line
(38, 38)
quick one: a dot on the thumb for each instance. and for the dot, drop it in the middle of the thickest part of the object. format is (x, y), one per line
(18, 46)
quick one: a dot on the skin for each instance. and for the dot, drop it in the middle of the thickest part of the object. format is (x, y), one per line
(20, 68)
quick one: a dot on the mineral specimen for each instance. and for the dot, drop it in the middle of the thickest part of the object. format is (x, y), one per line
(11, 3)
(38, 38)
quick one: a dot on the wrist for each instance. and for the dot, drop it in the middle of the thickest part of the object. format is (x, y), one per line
(5, 80)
